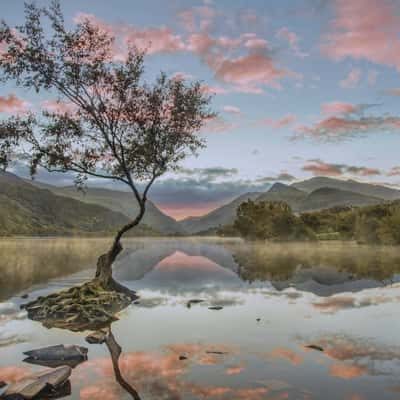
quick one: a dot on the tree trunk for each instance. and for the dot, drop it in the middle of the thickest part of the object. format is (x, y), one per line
(105, 261)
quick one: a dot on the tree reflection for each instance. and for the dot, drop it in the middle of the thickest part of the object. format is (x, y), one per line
(282, 262)
(115, 352)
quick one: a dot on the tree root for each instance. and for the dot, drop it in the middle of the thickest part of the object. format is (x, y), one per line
(86, 307)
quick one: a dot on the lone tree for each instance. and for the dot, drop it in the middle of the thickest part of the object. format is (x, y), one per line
(105, 121)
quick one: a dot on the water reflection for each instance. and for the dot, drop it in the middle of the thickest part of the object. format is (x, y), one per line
(281, 303)
(342, 266)
(115, 352)
(26, 262)
(323, 269)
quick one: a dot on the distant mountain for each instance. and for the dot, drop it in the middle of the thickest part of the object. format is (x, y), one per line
(367, 189)
(219, 217)
(300, 201)
(122, 202)
(28, 210)
(281, 192)
(328, 197)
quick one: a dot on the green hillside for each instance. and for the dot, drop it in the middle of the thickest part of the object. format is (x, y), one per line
(328, 197)
(281, 192)
(28, 210)
(367, 189)
(122, 202)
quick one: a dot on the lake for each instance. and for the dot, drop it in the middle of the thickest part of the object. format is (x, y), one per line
(275, 321)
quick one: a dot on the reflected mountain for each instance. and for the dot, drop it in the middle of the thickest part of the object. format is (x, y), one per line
(182, 266)
(323, 269)
(178, 266)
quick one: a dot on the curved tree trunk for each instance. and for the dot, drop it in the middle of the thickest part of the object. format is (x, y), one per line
(105, 261)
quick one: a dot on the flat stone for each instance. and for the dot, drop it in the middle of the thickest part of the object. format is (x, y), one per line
(31, 385)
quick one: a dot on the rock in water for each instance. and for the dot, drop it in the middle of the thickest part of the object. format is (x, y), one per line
(314, 347)
(32, 385)
(97, 337)
(55, 356)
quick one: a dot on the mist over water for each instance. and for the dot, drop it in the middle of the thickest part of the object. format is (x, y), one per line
(276, 300)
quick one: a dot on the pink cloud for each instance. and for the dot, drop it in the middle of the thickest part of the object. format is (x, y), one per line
(12, 104)
(365, 29)
(239, 61)
(337, 128)
(394, 171)
(218, 125)
(250, 71)
(338, 107)
(188, 20)
(231, 109)
(351, 79)
(256, 44)
(372, 76)
(280, 123)
(153, 40)
(198, 18)
(214, 89)
(319, 167)
(58, 107)
(293, 40)
(181, 76)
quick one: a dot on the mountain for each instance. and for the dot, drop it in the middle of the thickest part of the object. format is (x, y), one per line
(28, 210)
(281, 192)
(327, 197)
(367, 189)
(122, 202)
(299, 200)
(221, 216)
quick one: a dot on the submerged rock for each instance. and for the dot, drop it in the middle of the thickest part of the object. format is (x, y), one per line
(55, 356)
(215, 308)
(34, 385)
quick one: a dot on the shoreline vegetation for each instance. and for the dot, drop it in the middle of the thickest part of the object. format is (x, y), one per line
(275, 221)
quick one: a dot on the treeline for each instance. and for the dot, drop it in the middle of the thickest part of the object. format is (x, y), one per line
(377, 224)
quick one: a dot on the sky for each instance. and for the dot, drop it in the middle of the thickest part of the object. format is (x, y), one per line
(302, 88)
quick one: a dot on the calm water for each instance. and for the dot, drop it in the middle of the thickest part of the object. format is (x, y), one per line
(276, 300)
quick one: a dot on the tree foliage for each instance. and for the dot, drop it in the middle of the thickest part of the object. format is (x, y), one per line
(376, 224)
(105, 121)
(269, 220)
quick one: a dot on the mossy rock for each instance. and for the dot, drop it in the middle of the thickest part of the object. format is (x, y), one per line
(86, 307)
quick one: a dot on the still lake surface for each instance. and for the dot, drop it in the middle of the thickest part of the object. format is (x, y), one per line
(276, 300)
